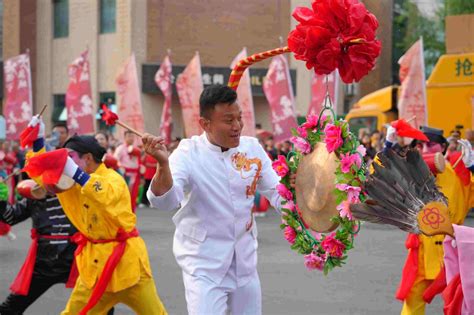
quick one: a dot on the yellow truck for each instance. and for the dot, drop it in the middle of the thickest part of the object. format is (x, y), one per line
(450, 99)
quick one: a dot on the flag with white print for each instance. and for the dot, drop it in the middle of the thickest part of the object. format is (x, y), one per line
(163, 79)
(80, 118)
(244, 98)
(279, 94)
(18, 105)
(189, 87)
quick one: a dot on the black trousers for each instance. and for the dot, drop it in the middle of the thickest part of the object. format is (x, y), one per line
(17, 304)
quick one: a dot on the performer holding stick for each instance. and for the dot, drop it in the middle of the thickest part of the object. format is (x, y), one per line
(111, 257)
(214, 177)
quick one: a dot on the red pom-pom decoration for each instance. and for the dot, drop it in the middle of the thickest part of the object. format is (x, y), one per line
(108, 116)
(336, 34)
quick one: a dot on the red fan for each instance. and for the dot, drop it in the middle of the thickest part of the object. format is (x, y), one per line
(404, 129)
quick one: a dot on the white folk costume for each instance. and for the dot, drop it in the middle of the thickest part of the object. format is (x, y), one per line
(215, 242)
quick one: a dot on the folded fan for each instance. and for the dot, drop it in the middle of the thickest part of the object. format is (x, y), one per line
(402, 192)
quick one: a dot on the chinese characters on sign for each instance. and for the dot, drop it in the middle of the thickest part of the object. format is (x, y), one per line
(464, 67)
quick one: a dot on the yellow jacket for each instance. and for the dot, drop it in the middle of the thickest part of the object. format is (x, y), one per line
(459, 202)
(98, 210)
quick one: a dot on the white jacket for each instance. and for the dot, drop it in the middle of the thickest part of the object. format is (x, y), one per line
(214, 192)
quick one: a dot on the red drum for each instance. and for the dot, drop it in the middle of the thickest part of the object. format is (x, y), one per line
(28, 188)
(110, 161)
(435, 162)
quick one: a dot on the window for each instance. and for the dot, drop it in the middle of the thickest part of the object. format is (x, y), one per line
(61, 18)
(107, 16)
(367, 123)
(59, 109)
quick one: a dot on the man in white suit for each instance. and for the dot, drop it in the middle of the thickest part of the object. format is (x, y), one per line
(212, 179)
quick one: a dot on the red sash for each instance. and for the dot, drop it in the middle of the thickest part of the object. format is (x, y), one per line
(435, 288)
(410, 269)
(135, 174)
(22, 282)
(112, 262)
(453, 297)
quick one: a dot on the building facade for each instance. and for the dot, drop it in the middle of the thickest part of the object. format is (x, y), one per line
(56, 31)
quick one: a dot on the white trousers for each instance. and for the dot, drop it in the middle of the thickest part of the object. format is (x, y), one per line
(205, 297)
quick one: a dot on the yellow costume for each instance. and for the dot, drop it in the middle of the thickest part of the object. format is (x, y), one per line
(98, 210)
(430, 252)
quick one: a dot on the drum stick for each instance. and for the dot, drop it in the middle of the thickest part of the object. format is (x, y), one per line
(2, 180)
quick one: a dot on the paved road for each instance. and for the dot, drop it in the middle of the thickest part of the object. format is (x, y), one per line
(366, 285)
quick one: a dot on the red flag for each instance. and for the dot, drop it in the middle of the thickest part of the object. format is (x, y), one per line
(79, 97)
(189, 86)
(319, 85)
(17, 109)
(244, 97)
(49, 165)
(412, 101)
(277, 89)
(128, 90)
(163, 79)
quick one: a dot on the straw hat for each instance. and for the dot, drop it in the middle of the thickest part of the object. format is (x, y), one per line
(315, 182)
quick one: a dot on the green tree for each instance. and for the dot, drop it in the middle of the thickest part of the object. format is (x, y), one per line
(457, 7)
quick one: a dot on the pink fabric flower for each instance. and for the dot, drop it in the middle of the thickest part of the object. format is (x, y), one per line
(301, 144)
(347, 160)
(353, 192)
(280, 166)
(302, 131)
(332, 246)
(333, 137)
(290, 234)
(311, 122)
(313, 261)
(290, 205)
(344, 210)
(284, 192)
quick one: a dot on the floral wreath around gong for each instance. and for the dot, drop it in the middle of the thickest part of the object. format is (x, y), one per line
(323, 251)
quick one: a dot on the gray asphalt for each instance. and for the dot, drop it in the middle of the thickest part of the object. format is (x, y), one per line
(365, 285)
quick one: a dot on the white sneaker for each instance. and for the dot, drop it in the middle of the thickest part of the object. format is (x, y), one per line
(11, 236)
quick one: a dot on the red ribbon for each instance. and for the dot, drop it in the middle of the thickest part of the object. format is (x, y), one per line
(410, 269)
(135, 173)
(22, 282)
(453, 297)
(436, 287)
(81, 240)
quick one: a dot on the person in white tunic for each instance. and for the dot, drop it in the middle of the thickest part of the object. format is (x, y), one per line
(212, 180)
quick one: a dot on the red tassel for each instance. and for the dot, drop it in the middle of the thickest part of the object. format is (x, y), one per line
(108, 116)
(410, 270)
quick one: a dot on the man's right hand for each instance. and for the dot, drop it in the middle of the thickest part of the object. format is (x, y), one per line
(155, 147)
(35, 120)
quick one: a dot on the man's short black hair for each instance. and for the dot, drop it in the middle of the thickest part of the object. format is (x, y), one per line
(213, 95)
(84, 145)
(62, 125)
